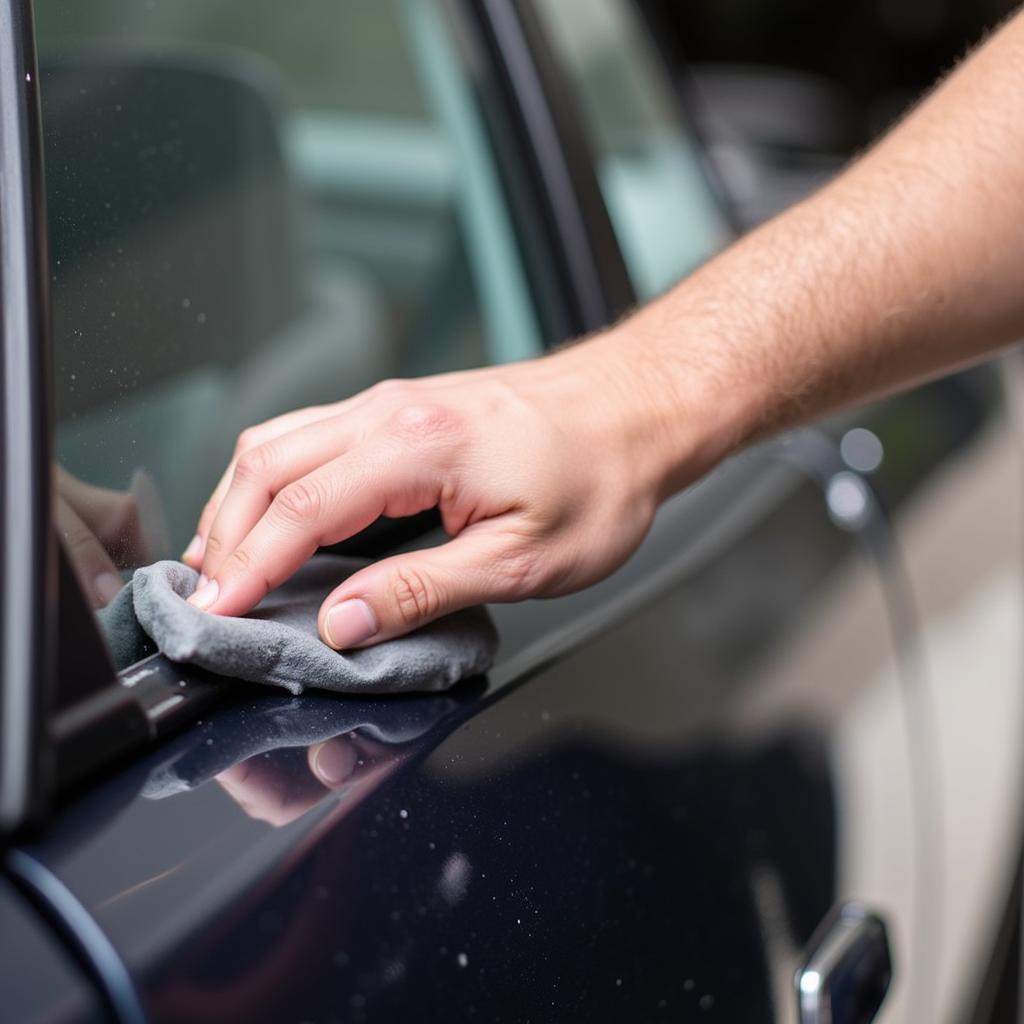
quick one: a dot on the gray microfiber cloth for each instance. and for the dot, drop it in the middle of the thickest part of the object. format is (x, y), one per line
(278, 642)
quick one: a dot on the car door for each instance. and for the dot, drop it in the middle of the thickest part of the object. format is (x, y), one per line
(954, 485)
(948, 467)
(667, 781)
(654, 177)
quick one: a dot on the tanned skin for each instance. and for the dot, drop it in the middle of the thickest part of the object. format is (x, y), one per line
(547, 473)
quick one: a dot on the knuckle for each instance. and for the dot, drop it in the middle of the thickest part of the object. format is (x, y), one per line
(244, 565)
(303, 501)
(243, 561)
(429, 422)
(255, 464)
(519, 569)
(417, 596)
(389, 386)
(214, 545)
(248, 438)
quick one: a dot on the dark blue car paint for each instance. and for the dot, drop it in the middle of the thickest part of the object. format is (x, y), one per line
(583, 839)
(606, 829)
(41, 981)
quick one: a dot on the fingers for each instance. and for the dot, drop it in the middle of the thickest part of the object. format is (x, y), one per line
(95, 570)
(383, 398)
(324, 507)
(193, 554)
(402, 593)
(386, 395)
(260, 473)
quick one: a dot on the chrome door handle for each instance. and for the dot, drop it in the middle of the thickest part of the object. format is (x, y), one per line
(848, 969)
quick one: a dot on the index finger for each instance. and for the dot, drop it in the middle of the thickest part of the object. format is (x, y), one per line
(332, 503)
(267, 431)
(262, 472)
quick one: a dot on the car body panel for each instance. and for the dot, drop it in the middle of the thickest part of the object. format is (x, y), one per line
(960, 539)
(661, 791)
(41, 981)
(644, 812)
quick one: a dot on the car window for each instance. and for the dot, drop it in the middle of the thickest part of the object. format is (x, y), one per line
(253, 207)
(660, 202)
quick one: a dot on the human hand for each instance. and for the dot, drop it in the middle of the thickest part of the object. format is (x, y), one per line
(546, 474)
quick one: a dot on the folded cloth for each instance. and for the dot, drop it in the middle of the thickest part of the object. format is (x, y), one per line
(127, 642)
(278, 642)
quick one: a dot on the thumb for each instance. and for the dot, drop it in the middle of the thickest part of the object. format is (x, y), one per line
(399, 594)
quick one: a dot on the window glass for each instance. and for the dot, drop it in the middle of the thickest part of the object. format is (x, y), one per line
(253, 206)
(660, 202)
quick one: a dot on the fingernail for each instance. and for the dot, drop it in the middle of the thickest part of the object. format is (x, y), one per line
(194, 551)
(205, 595)
(202, 581)
(107, 586)
(333, 763)
(349, 623)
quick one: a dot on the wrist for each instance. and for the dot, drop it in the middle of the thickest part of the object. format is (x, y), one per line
(674, 399)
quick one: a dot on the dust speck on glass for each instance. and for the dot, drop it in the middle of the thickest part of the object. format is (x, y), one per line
(252, 207)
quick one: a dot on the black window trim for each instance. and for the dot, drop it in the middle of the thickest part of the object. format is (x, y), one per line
(553, 133)
(522, 188)
(663, 35)
(27, 547)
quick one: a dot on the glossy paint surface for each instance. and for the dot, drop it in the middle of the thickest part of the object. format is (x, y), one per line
(651, 823)
(40, 980)
(643, 814)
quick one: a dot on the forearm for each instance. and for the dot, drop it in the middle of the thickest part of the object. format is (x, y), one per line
(547, 473)
(909, 264)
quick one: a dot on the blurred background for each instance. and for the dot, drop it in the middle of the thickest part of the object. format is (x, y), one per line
(786, 83)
